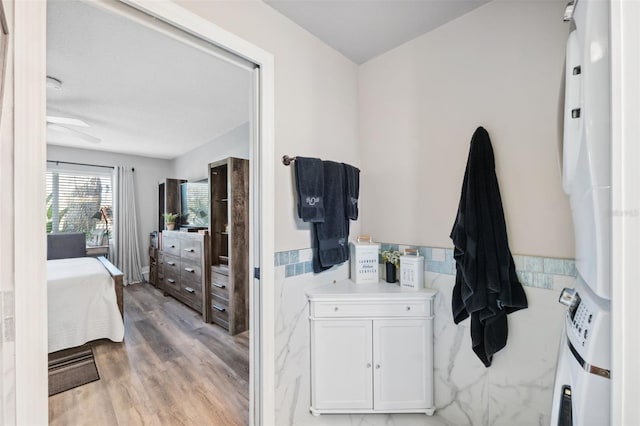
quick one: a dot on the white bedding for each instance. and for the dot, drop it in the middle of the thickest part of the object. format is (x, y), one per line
(82, 303)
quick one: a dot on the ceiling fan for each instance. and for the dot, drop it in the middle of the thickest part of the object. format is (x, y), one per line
(62, 124)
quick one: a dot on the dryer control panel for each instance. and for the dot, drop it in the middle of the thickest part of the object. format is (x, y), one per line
(580, 320)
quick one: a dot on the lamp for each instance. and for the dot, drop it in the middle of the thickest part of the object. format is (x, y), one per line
(102, 214)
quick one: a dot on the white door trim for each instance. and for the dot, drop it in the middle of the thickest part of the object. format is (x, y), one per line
(29, 159)
(625, 194)
(31, 301)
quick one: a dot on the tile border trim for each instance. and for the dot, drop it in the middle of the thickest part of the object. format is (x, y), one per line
(533, 271)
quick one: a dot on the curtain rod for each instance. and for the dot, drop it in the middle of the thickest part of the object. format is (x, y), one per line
(83, 164)
(78, 164)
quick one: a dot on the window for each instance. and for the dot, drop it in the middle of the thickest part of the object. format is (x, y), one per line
(80, 201)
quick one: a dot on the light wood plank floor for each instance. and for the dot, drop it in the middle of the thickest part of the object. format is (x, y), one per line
(172, 369)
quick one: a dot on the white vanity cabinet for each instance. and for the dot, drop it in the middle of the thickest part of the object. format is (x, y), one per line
(371, 349)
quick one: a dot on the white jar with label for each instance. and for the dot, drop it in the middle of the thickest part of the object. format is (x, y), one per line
(363, 255)
(411, 270)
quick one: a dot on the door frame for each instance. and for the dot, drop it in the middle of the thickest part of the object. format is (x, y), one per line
(30, 166)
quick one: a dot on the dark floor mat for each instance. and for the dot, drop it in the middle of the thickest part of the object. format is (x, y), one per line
(71, 368)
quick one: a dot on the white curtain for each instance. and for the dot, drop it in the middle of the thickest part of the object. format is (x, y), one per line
(126, 254)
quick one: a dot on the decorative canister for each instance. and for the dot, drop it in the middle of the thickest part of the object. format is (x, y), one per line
(411, 270)
(364, 260)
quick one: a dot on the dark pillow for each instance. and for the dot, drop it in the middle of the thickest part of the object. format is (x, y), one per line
(65, 245)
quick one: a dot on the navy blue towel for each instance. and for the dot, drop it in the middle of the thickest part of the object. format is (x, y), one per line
(310, 188)
(351, 191)
(487, 287)
(330, 237)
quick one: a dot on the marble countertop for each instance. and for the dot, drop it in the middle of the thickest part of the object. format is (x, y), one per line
(347, 289)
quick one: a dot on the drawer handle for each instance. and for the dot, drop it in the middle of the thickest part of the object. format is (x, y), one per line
(172, 246)
(171, 263)
(189, 270)
(219, 285)
(368, 365)
(335, 308)
(219, 308)
(189, 250)
(171, 281)
(190, 290)
(408, 308)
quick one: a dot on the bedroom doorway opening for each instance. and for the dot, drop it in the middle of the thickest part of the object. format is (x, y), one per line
(190, 166)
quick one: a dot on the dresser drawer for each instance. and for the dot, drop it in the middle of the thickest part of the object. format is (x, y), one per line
(192, 294)
(171, 263)
(190, 271)
(220, 311)
(191, 250)
(218, 276)
(407, 308)
(171, 284)
(170, 245)
(219, 284)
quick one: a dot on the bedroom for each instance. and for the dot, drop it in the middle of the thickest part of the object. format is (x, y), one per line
(315, 116)
(161, 105)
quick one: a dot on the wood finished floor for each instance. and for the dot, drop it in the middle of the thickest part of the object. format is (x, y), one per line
(172, 369)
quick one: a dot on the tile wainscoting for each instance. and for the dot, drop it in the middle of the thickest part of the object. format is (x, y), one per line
(533, 271)
(516, 389)
(7, 358)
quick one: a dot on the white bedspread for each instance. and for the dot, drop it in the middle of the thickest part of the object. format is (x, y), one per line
(82, 303)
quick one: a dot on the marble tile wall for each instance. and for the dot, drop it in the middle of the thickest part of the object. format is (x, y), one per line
(7, 358)
(516, 389)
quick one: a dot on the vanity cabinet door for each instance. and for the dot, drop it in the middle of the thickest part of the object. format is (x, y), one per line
(341, 364)
(403, 364)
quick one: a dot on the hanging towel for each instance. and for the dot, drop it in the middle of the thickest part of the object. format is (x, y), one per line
(310, 188)
(487, 287)
(331, 235)
(352, 190)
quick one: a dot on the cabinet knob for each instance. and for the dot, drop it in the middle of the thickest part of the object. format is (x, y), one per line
(368, 365)
(408, 308)
(377, 366)
(335, 309)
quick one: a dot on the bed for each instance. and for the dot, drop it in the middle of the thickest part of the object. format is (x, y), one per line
(84, 294)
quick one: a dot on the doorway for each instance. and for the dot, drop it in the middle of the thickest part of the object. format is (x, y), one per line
(261, 175)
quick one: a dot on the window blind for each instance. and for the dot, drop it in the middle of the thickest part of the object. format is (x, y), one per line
(76, 201)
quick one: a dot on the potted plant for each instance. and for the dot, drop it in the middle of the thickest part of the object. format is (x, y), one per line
(170, 220)
(391, 258)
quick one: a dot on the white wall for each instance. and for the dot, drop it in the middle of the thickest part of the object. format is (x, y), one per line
(193, 165)
(148, 172)
(315, 100)
(499, 66)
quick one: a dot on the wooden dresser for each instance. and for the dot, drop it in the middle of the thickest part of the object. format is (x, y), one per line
(229, 229)
(183, 270)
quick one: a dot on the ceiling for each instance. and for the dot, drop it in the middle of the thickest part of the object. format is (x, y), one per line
(146, 93)
(141, 92)
(363, 29)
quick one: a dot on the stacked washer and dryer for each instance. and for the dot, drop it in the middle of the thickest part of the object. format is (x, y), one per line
(582, 389)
